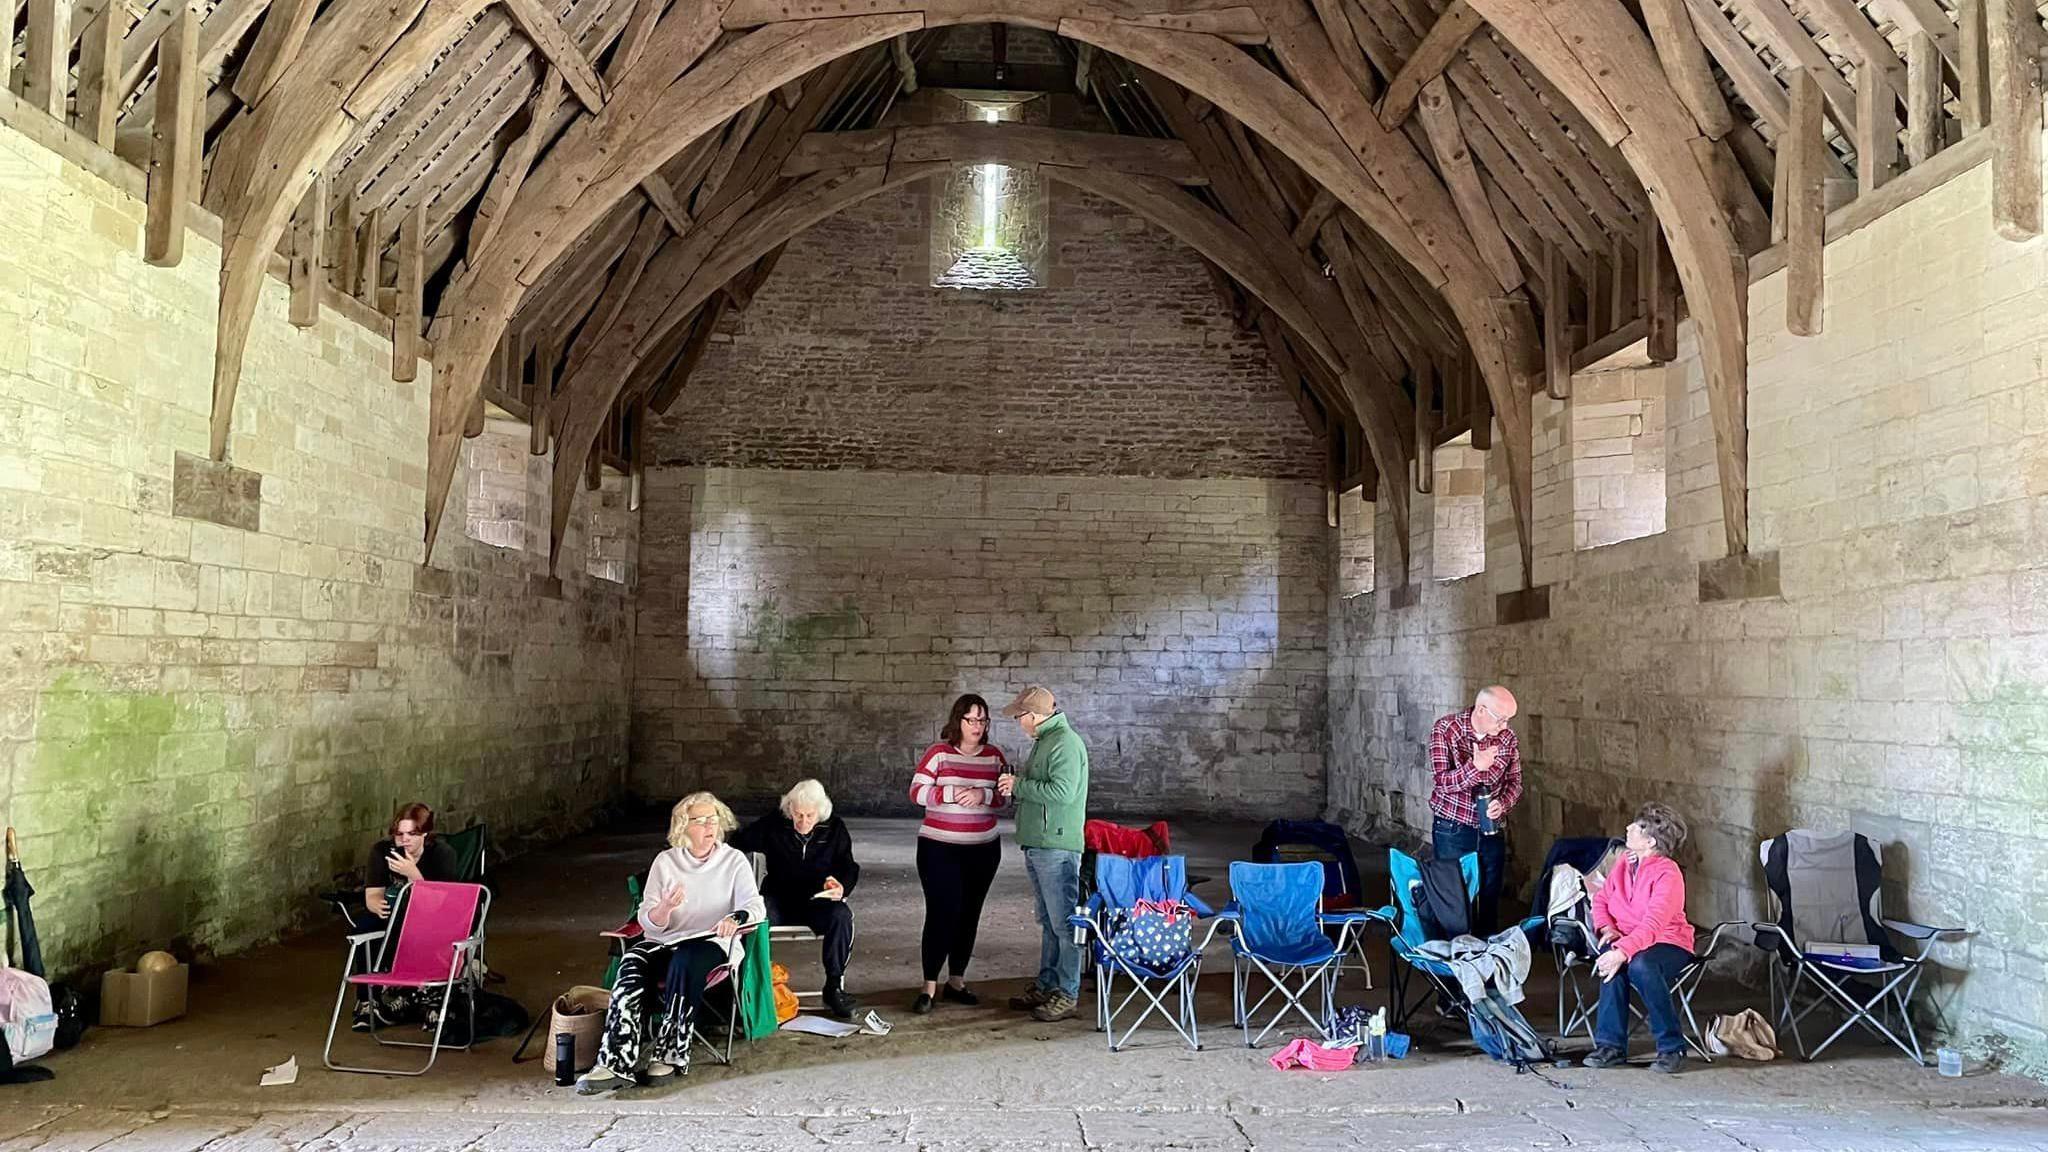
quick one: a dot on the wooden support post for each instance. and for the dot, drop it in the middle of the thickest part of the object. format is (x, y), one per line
(1660, 294)
(1557, 308)
(369, 258)
(1482, 404)
(99, 73)
(1599, 292)
(1877, 129)
(47, 60)
(309, 227)
(276, 46)
(2011, 34)
(638, 456)
(1973, 69)
(1924, 136)
(1781, 201)
(593, 464)
(1622, 302)
(406, 319)
(1805, 208)
(1425, 428)
(906, 68)
(174, 150)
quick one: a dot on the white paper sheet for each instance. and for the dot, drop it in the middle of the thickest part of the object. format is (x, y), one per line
(819, 1026)
(285, 1073)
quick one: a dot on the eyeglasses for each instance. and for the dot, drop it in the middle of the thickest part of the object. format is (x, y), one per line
(974, 719)
(702, 821)
(1497, 717)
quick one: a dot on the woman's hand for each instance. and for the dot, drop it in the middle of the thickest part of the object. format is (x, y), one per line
(402, 864)
(834, 890)
(671, 899)
(1609, 935)
(1610, 962)
(727, 928)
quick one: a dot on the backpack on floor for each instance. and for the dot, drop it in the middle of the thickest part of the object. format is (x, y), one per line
(1502, 1032)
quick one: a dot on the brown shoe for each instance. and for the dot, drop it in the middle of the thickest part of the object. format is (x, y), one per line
(1057, 1006)
(1031, 998)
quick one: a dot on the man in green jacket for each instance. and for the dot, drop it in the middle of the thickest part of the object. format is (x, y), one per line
(1051, 796)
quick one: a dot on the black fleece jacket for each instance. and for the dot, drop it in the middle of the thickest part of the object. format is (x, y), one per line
(798, 865)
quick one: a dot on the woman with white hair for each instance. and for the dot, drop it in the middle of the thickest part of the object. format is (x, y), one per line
(810, 872)
(700, 893)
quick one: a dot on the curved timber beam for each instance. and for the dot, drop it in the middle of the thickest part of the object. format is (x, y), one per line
(644, 123)
(1594, 53)
(356, 57)
(659, 307)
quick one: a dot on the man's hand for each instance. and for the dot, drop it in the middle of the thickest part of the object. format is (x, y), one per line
(1495, 809)
(1608, 964)
(1483, 757)
(1006, 784)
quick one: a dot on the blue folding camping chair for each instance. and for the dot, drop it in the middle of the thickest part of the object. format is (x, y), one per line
(1406, 934)
(1120, 882)
(1280, 931)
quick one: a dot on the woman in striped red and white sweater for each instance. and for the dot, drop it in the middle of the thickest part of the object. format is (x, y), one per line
(957, 847)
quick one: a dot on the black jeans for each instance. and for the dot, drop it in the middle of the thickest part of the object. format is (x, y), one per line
(955, 879)
(830, 919)
(1450, 840)
(1650, 972)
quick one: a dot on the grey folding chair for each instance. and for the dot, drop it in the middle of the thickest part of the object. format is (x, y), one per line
(1831, 946)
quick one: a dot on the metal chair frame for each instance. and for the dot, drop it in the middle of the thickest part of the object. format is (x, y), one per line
(463, 969)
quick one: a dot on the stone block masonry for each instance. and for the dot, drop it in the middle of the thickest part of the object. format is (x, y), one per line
(215, 686)
(1124, 361)
(1896, 683)
(799, 624)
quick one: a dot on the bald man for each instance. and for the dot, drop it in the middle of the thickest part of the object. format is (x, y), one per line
(1474, 754)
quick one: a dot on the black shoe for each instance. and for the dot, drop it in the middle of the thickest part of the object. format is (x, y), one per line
(959, 995)
(921, 1006)
(838, 1003)
(1605, 1058)
(1668, 1062)
(368, 1015)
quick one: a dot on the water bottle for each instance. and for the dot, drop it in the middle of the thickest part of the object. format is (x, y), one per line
(1949, 1061)
(1480, 800)
(565, 1058)
(1080, 933)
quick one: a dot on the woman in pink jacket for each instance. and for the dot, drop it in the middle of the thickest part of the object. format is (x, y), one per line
(1645, 939)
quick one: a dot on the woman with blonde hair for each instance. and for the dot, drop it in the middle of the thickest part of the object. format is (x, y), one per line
(700, 893)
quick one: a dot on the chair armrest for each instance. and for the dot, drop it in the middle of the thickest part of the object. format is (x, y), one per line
(1230, 913)
(1534, 924)
(358, 939)
(1195, 902)
(1913, 931)
(1701, 955)
(469, 943)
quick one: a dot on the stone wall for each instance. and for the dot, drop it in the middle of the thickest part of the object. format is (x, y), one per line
(1897, 684)
(819, 623)
(1123, 363)
(201, 724)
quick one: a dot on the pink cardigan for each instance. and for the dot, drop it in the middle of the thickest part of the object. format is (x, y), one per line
(1645, 903)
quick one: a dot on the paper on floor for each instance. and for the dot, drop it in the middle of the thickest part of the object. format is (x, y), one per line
(285, 1073)
(819, 1026)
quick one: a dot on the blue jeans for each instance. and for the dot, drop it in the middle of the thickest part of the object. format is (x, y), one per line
(1056, 883)
(1450, 840)
(1650, 972)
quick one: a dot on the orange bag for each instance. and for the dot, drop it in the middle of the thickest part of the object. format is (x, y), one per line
(786, 1005)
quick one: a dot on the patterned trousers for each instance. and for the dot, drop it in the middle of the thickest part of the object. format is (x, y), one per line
(626, 1044)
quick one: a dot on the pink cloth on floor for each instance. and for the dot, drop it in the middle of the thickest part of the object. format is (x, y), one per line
(1313, 1056)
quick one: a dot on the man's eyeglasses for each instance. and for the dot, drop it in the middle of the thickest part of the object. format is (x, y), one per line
(1497, 717)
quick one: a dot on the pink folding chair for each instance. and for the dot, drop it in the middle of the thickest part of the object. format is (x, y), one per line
(440, 937)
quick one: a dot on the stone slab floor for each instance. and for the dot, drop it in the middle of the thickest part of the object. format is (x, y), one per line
(958, 1079)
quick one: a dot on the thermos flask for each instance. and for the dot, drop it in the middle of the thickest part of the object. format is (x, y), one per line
(565, 1058)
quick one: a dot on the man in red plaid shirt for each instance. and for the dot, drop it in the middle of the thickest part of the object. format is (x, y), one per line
(1474, 752)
